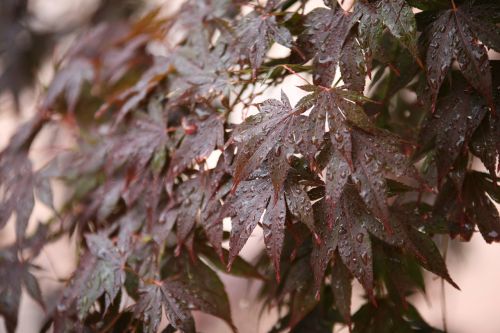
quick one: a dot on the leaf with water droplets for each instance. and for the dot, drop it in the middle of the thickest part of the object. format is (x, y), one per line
(337, 175)
(299, 204)
(256, 33)
(429, 256)
(200, 287)
(352, 65)
(453, 35)
(336, 107)
(323, 39)
(370, 31)
(100, 272)
(485, 143)
(342, 289)
(473, 59)
(354, 245)
(245, 207)
(377, 156)
(350, 237)
(397, 15)
(196, 287)
(265, 135)
(450, 128)
(149, 309)
(478, 17)
(208, 135)
(323, 252)
(479, 208)
(273, 226)
(439, 51)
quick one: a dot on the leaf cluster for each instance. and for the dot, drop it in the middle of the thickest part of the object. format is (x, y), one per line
(352, 182)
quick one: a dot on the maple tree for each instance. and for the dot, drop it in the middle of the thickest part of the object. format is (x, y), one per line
(353, 182)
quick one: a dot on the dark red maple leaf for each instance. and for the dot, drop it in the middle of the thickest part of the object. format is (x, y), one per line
(255, 34)
(325, 32)
(451, 127)
(454, 36)
(196, 288)
(267, 134)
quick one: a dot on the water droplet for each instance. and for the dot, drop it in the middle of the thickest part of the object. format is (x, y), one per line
(342, 230)
(359, 237)
(493, 234)
(277, 151)
(364, 258)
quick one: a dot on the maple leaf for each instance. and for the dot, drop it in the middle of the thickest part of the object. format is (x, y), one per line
(454, 36)
(324, 35)
(376, 157)
(100, 272)
(17, 180)
(267, 134)
(105, 54)
(255, 34)
(130, 98)
(397, 15)
(342, 288)
(327, 180)
(244, 220)
(401, 274)
(198, 288)
(298, 285)
(370, 31)
(335, 107)
(470, 205)
(197, 200)
(387, 316)
(450, 128)
(136, 147)
(359, 151)
(246, 209)
(69, 80)
(149, 307)
(485, 143)
(351, 236)
(15, 274)
(197, 144)
(352, 64)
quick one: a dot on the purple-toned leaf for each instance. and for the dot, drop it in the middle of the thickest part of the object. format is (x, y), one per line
(352, 64)
(245, 208)
(451, 127)
(208, 136)
(398, 16)
(439, 52)
(323, 39)
(263, 135)
(273, 226)
(256, 33)
(342, 288)
(299, 204)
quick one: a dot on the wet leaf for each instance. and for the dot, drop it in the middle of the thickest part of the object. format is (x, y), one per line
(323, 39)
